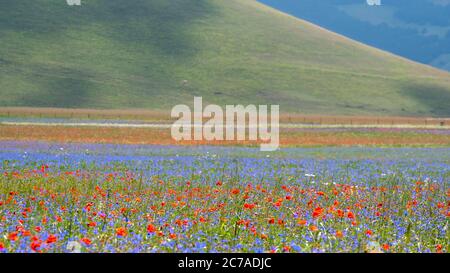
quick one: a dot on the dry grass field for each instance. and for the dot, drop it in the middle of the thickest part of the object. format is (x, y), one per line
(164, 116)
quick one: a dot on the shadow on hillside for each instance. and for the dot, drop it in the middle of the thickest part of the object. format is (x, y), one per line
(161, 24)
(74, 90)
(433, 97)
(159, 27)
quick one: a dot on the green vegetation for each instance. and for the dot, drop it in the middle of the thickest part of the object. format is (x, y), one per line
(158, 53)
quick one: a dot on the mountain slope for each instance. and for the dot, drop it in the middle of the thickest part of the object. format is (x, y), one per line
(418, 30)
(158, 53)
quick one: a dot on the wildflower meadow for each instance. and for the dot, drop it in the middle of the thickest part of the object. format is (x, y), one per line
(150, 198)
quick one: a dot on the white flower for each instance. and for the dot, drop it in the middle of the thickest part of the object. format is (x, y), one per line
(73, 247)
(73, 2)
(373, 247)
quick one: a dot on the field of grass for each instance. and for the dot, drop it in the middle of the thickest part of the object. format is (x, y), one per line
(136, 198)
(153, 54)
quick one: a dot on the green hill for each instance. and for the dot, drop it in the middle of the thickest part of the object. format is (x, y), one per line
(158, 53)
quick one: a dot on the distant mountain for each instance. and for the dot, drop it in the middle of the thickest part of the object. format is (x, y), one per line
(416, 29)
(155, 54)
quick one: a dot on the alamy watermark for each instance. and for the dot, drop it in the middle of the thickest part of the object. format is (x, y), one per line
(73, 2)
(374, 2)
(229, 125)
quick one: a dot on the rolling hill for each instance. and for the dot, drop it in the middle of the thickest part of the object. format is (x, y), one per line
(154, 54)
(418, 30)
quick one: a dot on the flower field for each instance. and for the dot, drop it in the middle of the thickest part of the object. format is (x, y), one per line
(394, 137)
(144, 198)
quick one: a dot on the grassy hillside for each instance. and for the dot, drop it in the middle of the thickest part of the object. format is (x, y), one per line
(158, 53)
(417, 29)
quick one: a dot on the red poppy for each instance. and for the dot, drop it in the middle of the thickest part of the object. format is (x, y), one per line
(151, 228)
(369, 232)
(121, 231)
(235, 191)
(249, 206)
(172, 236)
(439, 248)
(350, 215)
(313, 228)
(386, 247)
(318, 212)
(51, 239)
(35, 245)
(19, 228)
(13, 236)
(92, 224)
(38, 229)
(87, 241)
(2, 246)
(339, 234)
(302, 222)
(278, 203)
(271, 221)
